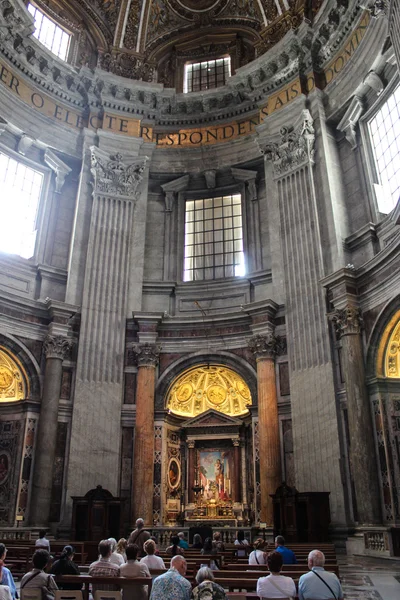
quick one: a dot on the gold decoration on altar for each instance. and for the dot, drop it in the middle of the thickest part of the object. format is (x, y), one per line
(392, 355)
(12, 378)
(209, 386)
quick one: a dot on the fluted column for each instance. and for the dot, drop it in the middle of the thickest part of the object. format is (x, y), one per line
(143, 457)
(56, 348)
(236, 451)
(191, 470)
(348, 323)
(265, 348)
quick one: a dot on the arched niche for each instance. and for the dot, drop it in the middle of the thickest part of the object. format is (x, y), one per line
(14, 383)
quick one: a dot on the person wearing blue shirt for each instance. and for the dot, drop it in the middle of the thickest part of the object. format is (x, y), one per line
(289, 557)
(6, 577)
(318, 583)
(182, 542)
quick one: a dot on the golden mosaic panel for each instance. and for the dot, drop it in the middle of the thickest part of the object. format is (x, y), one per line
(209, 386)
(392, 357)
(12, 379)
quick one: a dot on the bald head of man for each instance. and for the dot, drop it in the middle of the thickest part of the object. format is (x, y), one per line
(316, 558)
(179, 563)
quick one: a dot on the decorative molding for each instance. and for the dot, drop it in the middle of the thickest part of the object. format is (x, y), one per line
(348, 124)
(114, 177)
(347, 321)
(24, 143)
(147, 355)
(57, 346)
(249, 177)
(295, 148)
(211, 178)
(171, 190)
(58, 166)
(267, 346)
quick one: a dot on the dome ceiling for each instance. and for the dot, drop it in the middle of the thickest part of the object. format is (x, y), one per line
(151, 39)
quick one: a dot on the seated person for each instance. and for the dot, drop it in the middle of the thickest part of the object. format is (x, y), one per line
(42, 542)
(174, 548)
(289, 557)
(133, 569)
(197, 541)
(258, 556)
(318, 583)
(104, 567)
(151, 560)
(218, 544)
(275, 585)
(242, 543)
(37, 578)
(65, 566)
(208, 547)
(121, 547)
(182, 542)
(5, 593)
(115, 557)
(207, 589)
(6, 579)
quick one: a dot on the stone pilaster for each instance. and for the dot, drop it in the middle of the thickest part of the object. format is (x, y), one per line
(265, 348)
(143, 455)
(55, 348)
(348, 323)
(236, 450)
(191, 470)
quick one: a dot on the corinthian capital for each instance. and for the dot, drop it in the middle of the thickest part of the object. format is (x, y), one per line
(295, 147)
(147, 355)
(267, 346)
(113, 177)
(57, 346)
(347, 321)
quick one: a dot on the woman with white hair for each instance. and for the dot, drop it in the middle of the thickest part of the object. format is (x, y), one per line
(115, 557)
(207, 589)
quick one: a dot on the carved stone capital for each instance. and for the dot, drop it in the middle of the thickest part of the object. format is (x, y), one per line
(236, 443)
(295, 148)
(57, 346)
(113, 177)
(347, 321)
(267, 346)
(147, 355)
(191, 444)
(58, 166)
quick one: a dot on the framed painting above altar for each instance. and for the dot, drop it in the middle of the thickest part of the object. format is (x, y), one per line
(216, 471)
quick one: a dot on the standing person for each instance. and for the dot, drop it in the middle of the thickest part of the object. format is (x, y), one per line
(172, 585)
(65, 566)
(275, 585)
(139, 536)
(133, 569)
(242, 544)
(151, 560)
(42, 542)
(318, 583)
(174, 548)
(104, 567)
(182, 542)
(258, 556)
(207, 589)
(115, 557)
(6, 578)
(37, 578)
(289, 557)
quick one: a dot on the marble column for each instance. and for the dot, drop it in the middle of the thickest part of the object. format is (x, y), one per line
(265, 348)
(143, 455)
(191, 470)
(236, 446)
(56, 348)
(348, 323)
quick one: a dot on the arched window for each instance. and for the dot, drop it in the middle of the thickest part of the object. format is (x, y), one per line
(49, 33)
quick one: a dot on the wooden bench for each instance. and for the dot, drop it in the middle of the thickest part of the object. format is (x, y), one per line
(87, 580)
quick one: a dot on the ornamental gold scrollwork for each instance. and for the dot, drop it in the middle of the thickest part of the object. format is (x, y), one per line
(392, 355)
(209, 386)
(12, 379)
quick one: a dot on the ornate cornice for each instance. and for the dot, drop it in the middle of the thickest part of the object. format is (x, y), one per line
(113, 177)
(347, 321)
(295, 148)
(147, 355)
(57, 346)
(267, 346)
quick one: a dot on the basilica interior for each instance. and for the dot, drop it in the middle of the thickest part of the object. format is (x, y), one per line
(200, 268)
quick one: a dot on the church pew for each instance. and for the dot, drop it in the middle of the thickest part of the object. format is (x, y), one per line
(329, 565)
(87, 581)
(288, 571)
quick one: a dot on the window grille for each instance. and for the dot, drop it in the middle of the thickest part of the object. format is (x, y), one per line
(54, 37)
(207, 74)
(213, 238)
(20, 189)
(384, 129)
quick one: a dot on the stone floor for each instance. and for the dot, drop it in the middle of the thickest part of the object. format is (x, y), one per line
(369, 578)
